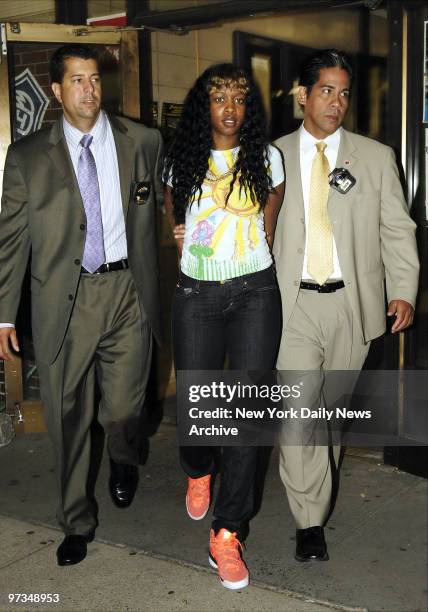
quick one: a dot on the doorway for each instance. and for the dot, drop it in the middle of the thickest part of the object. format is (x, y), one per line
(30, 106)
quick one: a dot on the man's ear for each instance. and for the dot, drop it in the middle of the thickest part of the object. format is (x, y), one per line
(56, 88)
(301, 95)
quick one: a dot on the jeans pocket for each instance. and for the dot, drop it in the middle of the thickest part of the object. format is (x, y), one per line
(266, 283)
(271, 287)
(262, 281)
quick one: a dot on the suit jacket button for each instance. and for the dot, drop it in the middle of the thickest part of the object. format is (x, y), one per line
(297, 283)
(300, 251)
(77, 262)
(71, 297)
(82, 226)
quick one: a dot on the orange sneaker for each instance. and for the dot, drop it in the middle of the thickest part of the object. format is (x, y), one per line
(198, 497)
(225, 555)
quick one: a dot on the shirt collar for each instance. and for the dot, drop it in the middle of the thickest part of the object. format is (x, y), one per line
(73, 135)
(307, 141)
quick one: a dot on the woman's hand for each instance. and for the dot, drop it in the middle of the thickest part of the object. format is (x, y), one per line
(178, 231)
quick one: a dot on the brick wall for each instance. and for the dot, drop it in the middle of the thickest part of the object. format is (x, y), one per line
(36, 56)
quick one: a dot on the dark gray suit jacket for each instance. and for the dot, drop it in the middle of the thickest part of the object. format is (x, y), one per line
(42, 210)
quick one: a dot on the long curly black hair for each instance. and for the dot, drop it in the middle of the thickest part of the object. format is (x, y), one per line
(188, 155)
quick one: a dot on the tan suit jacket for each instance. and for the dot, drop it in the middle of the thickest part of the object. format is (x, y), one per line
(375, 237)
(42, 210)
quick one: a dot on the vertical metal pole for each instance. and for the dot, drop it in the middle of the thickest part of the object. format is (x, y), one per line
(402, 337)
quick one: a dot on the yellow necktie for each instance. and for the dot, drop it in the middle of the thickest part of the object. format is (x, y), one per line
(320, 233)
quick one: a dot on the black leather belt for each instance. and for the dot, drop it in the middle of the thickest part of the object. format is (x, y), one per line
(113, 266)
(326, 288)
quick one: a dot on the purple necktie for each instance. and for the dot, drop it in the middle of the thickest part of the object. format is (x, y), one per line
(87, 177)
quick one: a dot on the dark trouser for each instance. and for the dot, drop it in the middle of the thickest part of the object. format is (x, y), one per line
(239, 318)
(108, 339)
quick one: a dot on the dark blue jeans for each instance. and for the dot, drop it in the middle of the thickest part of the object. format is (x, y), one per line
(239, 319)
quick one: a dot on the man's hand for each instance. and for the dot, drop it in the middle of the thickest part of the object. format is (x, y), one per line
(403, 312)
(8, 337)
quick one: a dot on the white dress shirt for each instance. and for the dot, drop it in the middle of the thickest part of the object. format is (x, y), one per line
(103, 149)
(307, 153)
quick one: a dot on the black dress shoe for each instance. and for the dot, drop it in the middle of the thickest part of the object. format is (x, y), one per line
(310, 544)
(73, 549)
(123, 483)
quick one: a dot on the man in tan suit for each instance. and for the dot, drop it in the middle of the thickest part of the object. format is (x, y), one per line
(81, 196)
(334, 249)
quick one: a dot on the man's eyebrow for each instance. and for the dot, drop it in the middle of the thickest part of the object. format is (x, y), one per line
(322, 85)
(79, 74)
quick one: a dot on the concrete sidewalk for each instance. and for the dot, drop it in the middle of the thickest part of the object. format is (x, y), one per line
(119, 578)
(151, 556)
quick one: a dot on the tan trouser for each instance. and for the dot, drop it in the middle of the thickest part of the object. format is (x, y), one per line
(321, 334)
(108, 340)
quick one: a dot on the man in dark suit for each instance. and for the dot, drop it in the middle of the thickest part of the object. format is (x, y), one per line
(81, 196)
(337, 248)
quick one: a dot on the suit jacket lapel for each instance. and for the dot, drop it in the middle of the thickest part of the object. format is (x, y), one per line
(60, 157)
(294, 175)
(346, 158)
(125, 149)
(337, 205)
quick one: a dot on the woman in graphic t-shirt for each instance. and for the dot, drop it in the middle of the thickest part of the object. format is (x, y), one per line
(224, 188)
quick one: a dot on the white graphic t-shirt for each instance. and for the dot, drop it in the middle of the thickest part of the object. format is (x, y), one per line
(221, 241)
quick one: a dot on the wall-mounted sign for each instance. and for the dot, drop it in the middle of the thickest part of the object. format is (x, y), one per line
(31, 104)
